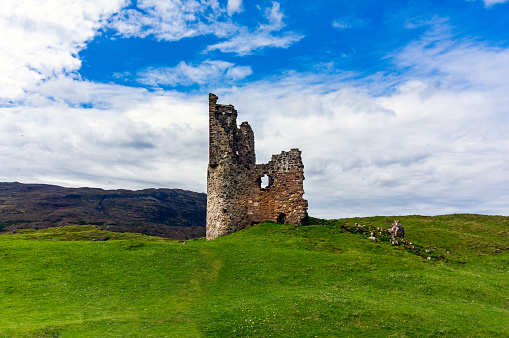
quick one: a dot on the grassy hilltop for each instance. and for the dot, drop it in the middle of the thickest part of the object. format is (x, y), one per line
(270, 280)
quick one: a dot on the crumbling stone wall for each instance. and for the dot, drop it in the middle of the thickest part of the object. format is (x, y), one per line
(235, 197)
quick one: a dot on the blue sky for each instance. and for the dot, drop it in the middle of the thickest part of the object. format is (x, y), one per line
(399, 107)
(329, 36)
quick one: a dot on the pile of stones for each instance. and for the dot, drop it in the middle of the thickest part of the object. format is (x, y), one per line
(396, 231)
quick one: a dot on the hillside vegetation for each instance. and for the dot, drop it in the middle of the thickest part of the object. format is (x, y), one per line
(325, 279)
(171, 213)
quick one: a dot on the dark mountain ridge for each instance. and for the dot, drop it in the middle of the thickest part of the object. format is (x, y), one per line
(172, 213)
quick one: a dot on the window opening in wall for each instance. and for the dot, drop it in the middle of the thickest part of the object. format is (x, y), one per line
(264, 182)
(281, 218)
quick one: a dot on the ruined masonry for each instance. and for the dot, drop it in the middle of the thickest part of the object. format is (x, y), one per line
(235, 197)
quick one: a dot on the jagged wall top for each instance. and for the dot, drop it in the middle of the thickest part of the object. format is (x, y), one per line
(227, 142)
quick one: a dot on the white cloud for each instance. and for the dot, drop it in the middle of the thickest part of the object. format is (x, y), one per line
(216, 72)
(247, 41)
(47, 135)
(234, 6)
(177, 19)
(348, 23)
(275, 17)
(119, 144)
(41, 39)
(489, 3)
(437, 26)
(172, 20)
(429, 146)
(341, 24)
(454, 65)
(437, 143)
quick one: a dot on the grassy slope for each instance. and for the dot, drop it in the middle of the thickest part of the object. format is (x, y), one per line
(267, 280)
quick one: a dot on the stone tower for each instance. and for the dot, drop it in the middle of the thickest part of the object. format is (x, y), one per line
(235, 197)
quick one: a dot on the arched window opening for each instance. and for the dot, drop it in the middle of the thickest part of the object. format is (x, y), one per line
(281, 218)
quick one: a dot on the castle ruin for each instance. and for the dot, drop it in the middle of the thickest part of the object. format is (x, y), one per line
(235, 196)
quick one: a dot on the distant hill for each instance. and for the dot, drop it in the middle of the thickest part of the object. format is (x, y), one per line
(171, 213)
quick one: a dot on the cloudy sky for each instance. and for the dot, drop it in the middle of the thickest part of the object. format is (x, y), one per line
(399, 107)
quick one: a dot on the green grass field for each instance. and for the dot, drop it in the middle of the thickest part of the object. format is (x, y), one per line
(320, 280)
